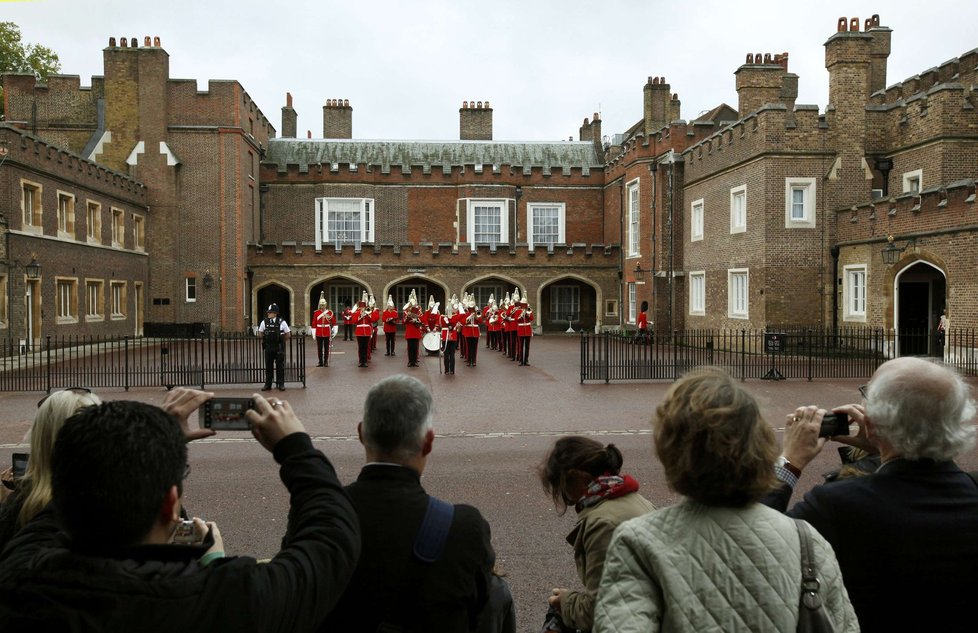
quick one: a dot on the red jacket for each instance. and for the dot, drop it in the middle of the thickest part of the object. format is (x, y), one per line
(361, 316)
(525, 322)
(470, 324)
(389, 317)
(412, 323)
(323, 322)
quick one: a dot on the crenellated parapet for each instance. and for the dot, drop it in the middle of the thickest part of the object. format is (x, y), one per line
(944, 110)
(34, 154)
(773, 128)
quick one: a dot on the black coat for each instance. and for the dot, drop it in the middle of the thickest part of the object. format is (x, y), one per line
(46, 586)
(390, 584)
(906, 538)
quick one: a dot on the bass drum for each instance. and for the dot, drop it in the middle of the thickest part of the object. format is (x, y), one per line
(431, 342)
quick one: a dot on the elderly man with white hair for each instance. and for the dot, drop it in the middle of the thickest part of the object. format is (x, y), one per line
(906, 535)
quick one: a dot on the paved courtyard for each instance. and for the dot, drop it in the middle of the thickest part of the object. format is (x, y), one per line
(493, 422)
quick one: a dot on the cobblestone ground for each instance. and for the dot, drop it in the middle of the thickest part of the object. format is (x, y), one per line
(494, 422)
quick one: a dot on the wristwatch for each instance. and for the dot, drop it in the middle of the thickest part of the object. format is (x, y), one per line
(782, 462)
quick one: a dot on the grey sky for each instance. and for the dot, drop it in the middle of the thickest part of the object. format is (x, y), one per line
(406, 66)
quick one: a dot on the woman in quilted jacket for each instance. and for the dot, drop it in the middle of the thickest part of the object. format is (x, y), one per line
(586, 475)
(717, 560)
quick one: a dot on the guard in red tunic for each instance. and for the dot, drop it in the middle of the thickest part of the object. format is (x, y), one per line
(450, 326)
(364, 330)
(524, 332)
(323, 321)
(374, 325)
(412, 328)
(510, 324)
(390, 319)
(485, 319)
(347, 322)
(471, 332)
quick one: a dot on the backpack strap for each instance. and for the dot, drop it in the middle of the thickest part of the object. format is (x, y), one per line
(429, 544)
(974, 477)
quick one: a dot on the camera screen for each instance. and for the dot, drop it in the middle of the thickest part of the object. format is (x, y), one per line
(834, 424)
(19, 464)
(226, 414)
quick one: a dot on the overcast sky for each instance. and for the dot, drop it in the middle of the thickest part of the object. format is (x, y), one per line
(406, 66)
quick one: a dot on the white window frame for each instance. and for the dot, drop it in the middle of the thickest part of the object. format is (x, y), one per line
(911, 177)
(119, 296)
(738, 293)
(531, 222)
(66, 299)
(190, 289)
(697, 292)
(138, 232)
(470, 206)
(634, 211)
(93, 222)
(738, 216)
(66, 214)
(367, 221)
(807, 188)
(118, 227)
(854, 293)
(94, 305)
(632, 299)
(696, 220)
(32, 219)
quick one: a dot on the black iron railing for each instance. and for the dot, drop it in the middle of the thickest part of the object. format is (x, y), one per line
(214, 359)
(771, 354)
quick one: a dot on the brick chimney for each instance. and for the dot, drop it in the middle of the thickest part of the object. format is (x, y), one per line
(764, 79)
(289, 118)
(657, 106)
(879, 52)
(475, 121)
(591, 131)
(337, 119)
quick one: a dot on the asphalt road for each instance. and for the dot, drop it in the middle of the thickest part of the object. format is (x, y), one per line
(494, 423)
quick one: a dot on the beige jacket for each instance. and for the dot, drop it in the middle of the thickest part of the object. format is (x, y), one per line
(590, 538)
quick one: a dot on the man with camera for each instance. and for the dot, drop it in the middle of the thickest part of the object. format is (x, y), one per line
(906, 535)
(107, 555)
(426, 564)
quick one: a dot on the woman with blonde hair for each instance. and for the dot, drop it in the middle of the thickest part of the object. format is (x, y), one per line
(718, 560)
(33, 491)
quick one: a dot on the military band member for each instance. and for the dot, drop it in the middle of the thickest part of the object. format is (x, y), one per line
(485, 318)
(450, 326)
(413, 328)
(524, 332)
(375, 324)
(510, 324)
(471, 332)
(390, 319)
(364, 330)
(274, 333)
(347, 322)
(323, 321)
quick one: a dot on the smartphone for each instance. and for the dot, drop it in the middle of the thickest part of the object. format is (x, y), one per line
(226, 414)
(184, 534)
(19, 464)
(834, 424)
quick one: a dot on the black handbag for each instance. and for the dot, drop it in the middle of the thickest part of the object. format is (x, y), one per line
(553, 623)
(812, 617)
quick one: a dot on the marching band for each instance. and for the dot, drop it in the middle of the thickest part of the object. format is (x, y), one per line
(455, 329)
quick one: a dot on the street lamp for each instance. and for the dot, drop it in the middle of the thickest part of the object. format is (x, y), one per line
(891, 252)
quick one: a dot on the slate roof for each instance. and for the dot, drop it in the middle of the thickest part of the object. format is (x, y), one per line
(487, 155)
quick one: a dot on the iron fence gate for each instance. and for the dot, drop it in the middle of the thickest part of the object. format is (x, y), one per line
(769, 354)
(100, 362)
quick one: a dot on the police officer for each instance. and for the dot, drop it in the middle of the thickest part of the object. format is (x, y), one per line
(274, 332)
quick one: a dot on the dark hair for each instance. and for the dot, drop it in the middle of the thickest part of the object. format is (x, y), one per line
(712, 441)
(645, 306)
(575, 460)
(113, 465)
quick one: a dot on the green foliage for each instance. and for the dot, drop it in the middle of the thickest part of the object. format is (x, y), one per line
(17, 57)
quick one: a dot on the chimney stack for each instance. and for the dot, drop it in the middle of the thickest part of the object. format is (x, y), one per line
(289, 118)
(656, 104)
(591, 131)
(765, 79)
(337, 119)
(475, 121)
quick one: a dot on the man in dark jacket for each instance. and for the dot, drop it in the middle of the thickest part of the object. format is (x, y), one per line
(117, 480)
(393, 584)
(906, 535)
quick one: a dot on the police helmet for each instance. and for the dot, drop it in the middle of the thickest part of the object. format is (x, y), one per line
(273, 308)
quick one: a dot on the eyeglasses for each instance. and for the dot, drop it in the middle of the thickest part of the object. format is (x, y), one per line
(862, 390)
(78, 390)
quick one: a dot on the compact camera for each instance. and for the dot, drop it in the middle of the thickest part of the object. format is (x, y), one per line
(19, 464)
(834, 424)
(226, 414)
(184, 534)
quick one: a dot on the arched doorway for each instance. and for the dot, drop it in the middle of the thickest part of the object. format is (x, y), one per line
(400, 291)
(920, 293)
(494, 286)
(569, 300)
(340, 292)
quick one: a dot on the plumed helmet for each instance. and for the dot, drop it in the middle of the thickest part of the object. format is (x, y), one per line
(322, 300)
(364, 298)
(516, 295)
(371, 302)
(492, 299)
(412, 300)
(431, 301)
(390, 301)
(272, 308)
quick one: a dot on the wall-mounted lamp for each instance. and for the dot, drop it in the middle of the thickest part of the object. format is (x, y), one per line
(518, 192)
(4, 150)
(33, 269)
(639, 270)
(208, 280)
(891, 252)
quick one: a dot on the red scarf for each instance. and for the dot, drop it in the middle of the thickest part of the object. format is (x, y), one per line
(606, 487)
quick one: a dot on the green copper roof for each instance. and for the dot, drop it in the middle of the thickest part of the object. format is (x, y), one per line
(479, 155)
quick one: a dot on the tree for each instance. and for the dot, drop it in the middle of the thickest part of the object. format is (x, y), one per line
(17, 57)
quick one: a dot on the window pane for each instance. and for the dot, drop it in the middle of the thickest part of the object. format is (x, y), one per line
(546, 225)
(564, 301)
(488, 227)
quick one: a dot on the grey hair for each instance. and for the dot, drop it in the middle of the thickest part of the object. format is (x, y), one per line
(923, 409)
(397, 416)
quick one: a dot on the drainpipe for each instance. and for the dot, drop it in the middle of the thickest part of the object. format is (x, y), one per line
(835, 287)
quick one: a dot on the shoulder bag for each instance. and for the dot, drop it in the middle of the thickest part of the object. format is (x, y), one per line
(812, 617)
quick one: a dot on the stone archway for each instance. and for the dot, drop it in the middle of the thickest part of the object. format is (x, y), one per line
(919, 295)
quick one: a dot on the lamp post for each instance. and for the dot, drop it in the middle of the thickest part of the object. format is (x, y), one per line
(891, 252)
